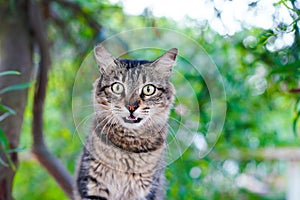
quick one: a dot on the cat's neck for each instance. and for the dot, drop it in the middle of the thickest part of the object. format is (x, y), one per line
(141, 140)
(114, 147)
(115, 158)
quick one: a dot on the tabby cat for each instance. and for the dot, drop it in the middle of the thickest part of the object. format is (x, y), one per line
(123, 157)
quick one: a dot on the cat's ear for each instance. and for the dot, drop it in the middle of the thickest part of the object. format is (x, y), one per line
(105, 60)
(165, 63)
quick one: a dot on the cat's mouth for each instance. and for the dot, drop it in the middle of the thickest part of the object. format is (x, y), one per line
(132, 119)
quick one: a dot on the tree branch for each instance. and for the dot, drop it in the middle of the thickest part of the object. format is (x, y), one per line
(295, 90)
(76, 10)
(79, 11)
(62, 27)
(52, 164)
(283, 154)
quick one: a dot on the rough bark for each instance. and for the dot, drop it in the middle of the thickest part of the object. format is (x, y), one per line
(15, 54)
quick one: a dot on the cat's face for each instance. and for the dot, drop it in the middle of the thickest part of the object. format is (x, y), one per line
(134, 94)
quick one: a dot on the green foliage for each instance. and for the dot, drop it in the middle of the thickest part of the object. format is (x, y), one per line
(9, 73)
(15, 87)
(5, 112)
(34, 182)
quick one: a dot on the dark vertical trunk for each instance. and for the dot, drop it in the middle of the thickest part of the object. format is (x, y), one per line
(15, 54)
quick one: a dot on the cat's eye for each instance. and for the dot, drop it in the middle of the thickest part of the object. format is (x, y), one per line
(117, 88)
(149, 90)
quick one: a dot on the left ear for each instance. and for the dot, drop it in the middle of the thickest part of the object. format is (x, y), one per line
(165, 63)
(106, 62)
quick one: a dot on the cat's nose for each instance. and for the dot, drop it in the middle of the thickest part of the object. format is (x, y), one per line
(132, 107)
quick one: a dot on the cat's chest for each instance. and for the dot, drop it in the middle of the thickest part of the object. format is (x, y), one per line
(124, 161)
(121, 185)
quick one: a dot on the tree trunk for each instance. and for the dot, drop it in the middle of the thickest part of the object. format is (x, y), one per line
(15, 54)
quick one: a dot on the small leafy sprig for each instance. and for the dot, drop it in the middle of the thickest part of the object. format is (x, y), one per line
(6, 112)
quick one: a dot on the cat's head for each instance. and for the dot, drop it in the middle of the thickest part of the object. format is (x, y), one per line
(131, 93)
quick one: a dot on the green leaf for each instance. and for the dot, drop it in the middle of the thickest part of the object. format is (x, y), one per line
(297, 116)
(289, 68)
(16, 150)
(7, 112)
(4, 146)
(3, 139)
(15, 87)
(9, 73)
(2, 162)
(10, 162)
(4, 116)
(7, 109)
(264, 37)
(295, 123)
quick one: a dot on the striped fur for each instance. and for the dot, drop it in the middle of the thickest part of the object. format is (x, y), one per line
(123, 157)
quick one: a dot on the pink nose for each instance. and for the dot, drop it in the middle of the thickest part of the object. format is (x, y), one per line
(131, 108)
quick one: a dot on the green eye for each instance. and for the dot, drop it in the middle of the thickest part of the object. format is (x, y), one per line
(117, 88)
(149, 90)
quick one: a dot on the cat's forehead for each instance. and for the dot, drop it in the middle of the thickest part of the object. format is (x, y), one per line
(135, 71)
(129, 64)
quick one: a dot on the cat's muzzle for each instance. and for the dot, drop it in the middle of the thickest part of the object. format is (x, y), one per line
(132, 119)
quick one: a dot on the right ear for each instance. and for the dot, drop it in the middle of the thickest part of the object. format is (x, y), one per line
(165, 63)
(105, 60)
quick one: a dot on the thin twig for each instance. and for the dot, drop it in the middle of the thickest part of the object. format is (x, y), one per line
(295, 90)
(52, 164)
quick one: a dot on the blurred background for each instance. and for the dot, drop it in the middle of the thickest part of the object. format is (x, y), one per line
(255, 46)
